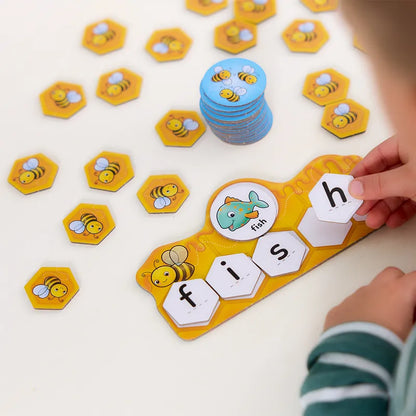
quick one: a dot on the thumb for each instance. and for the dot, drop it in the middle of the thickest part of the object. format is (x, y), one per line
(396, 182)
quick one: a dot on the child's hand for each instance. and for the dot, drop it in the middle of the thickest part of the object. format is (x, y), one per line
(386, 180)
(389, 300)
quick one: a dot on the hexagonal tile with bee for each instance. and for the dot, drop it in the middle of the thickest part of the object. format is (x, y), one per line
(305, 36)
(206, 7)
(235, 36)
(326, 87)
(254, 11)
(62, 99)
(88, 224)
(162, 194)
(168, 44)
(51, 288)
(345, 118)
(104, 36)
(318, 6)
(119, 86)
(109, 171)
(180, 128)
(33, 173)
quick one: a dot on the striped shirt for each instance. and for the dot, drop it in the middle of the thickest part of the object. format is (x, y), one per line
(351, 371)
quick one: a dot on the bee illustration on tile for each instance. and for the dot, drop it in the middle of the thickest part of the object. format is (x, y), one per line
(209, 2)
(63, 98)
(102, 34)
(181, 127)
(237, 35)
(106, 170)
(342, 116)
(163, 195)
(232, 95)
(247, 75)
(53, 286)
(305, 32)
(324, 85)
(117, 84)
(174, 269)
(254, 6)
(168, 44)
(221, 75)
(234, 213)
(87, 224)
(31, 171)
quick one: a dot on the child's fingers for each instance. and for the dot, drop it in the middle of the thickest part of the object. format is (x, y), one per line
(381, 211)
(408, 283)
(381, 158)
(403, 214)
(395, 182)
(387, 275)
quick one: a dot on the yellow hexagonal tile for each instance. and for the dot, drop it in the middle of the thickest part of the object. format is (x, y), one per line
(33, 173)
(162, 194)
(235, 36)
(345, 118)
(168, 44)
(305, 36)
(180, 128)
(119, 86)
(109, 171)
(62, 99)
(88, 224)
(206, 7)
(254, 11)
(321, 5)
(326, 87)
(104, 36)
(51, 288)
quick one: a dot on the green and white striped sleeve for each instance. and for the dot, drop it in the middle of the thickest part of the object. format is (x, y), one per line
(351, 371)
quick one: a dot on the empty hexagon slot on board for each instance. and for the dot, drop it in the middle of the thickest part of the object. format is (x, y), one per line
(202, 255)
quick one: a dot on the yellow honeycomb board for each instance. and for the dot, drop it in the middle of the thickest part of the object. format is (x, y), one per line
(193, 257)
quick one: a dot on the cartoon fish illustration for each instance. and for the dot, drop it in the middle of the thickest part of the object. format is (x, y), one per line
(234, 213)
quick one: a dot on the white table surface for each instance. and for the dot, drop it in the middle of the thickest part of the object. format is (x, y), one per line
(109, 352)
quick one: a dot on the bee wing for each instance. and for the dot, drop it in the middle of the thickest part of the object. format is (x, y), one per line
(115, 78)
(307, 27)
(323, 79)
(178, 254)
(161, 202)
(77, 227)
(227, 81)
(260, 1)
(101, 164)
(342, 109)
(246, 35)
(32, 163)
(190, 124)
(248, 69)
(100, 28)
(240, 90)
(73, 97)
(166, 258)
(217, 1)
(160, 48)
(218, 69)
(41, 290)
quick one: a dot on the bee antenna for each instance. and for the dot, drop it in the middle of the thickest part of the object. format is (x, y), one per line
(154, 262)
(146, 273)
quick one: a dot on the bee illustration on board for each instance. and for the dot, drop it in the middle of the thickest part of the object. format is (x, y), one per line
(102, 34)
(64, 99)
(163, 195)
(235, 35)
(31, 171)
(254, 6)
(209, 2)
(107, 170)
(168, 44)
(88, 223)
(221, 75)
(52, 285)
(304, 33)
(181, 128)
(324, 86)
(117, 84)
(232, 95)
(343, 116)
(247, 76)
(174, 269)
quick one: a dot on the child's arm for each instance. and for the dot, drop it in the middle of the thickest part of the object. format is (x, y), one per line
(350, 370)
(386, 180)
